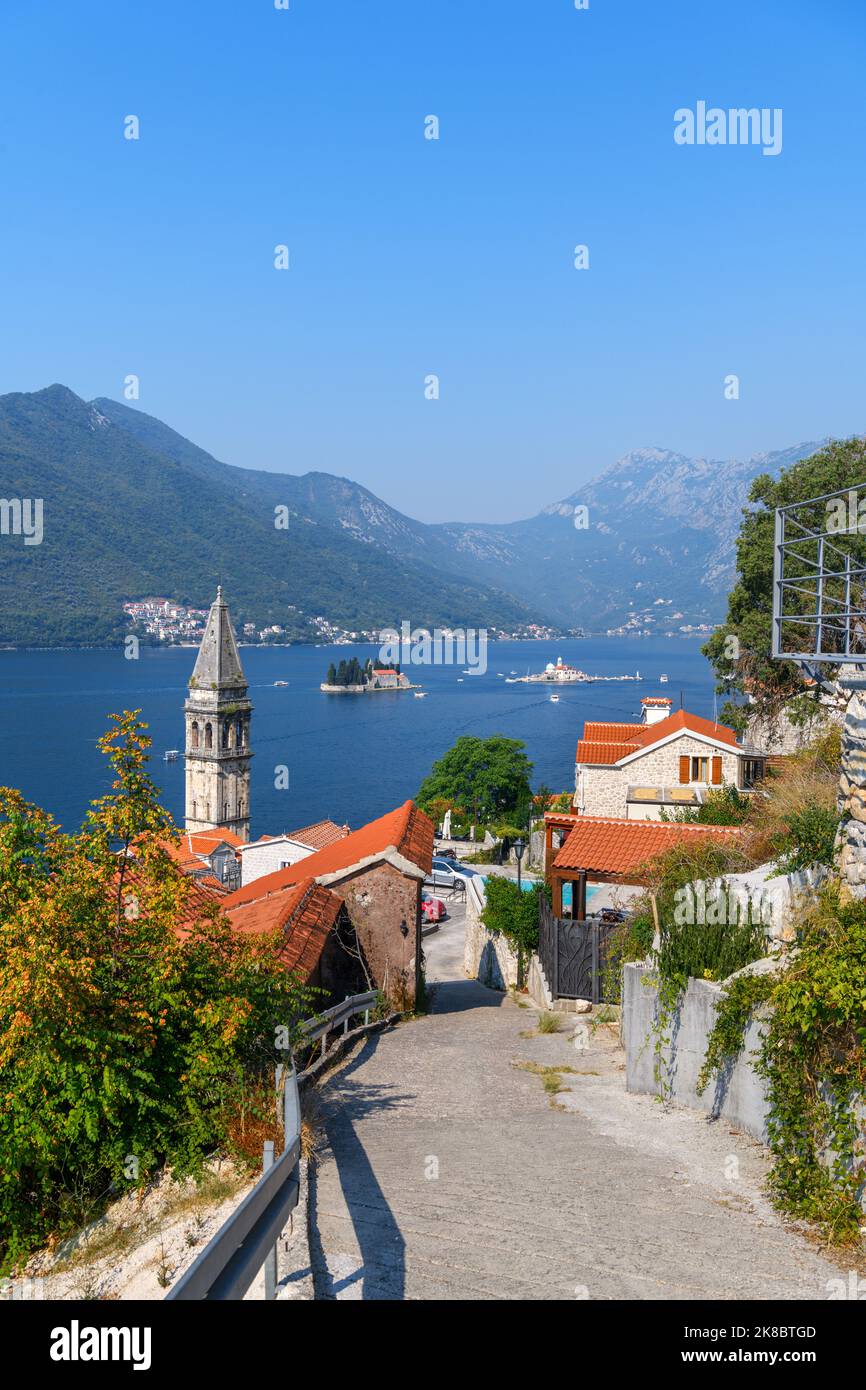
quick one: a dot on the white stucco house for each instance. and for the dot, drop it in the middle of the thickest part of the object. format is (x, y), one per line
(273, 852)
(634, 771)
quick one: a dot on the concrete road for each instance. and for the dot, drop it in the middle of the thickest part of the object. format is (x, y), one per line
(448, 1172)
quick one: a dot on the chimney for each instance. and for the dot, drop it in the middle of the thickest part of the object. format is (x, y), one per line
(655, 708)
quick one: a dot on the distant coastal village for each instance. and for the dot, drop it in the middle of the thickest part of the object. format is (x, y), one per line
(165, 622)
(174, 624)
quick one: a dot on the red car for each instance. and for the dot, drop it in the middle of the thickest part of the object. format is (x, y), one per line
(433, 909)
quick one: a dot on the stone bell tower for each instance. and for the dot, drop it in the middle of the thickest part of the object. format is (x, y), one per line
(217, 714)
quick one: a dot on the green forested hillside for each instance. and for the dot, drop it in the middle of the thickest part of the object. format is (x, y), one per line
(123, 520)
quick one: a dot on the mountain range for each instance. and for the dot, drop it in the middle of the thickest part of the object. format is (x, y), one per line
(133, 509)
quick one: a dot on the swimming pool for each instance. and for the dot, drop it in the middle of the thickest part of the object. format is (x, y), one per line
(527, 883)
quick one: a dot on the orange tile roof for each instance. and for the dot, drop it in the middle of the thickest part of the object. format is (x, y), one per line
(604, 744)
(693, 723)
(596, 732)
(406, 830)
(199, 899)
(205, 841)
(305, 916)
(319, 835)
(610, 845)
(603, 753)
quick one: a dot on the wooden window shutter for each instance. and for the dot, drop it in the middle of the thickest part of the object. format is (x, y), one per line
(717, 772)
(684, 767)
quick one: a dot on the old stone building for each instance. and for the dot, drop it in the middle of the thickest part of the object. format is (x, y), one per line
(217, 713)
(634, 771)
(378, 873)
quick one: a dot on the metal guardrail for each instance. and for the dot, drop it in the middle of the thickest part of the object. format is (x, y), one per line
(230, 1261)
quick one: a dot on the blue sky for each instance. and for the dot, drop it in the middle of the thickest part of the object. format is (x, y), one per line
(453, 257)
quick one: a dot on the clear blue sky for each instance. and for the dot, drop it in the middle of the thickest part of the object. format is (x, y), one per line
(454, 257)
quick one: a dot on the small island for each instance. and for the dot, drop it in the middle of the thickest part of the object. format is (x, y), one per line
(351, 678)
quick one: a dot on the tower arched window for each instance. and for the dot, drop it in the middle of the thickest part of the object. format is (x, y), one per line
(208, 736)
(227, 729)
(239, 734)
(193, 734)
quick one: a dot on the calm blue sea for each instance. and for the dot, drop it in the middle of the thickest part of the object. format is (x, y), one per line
(349, 759)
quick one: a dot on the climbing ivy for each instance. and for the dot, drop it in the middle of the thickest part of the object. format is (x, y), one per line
(813, 1057)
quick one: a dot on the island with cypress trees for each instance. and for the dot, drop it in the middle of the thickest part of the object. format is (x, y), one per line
(351, 678)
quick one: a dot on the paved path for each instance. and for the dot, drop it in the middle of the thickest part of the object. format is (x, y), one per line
(448, 1173)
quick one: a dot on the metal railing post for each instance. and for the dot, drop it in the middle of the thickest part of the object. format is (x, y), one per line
(291, 1108)
(271, 1257)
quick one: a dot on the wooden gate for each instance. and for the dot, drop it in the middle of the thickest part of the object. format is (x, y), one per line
(574, 956)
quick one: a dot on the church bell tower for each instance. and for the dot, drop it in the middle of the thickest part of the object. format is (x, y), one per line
(217, 714)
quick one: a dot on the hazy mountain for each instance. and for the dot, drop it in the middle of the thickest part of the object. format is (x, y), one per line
(131, 514)
(661, 526)
(133, 508)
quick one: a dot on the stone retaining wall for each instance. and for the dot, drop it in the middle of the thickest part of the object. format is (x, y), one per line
(736, 1095)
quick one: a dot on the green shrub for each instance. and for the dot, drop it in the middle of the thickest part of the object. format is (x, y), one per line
(809, 838)
(813, 1057)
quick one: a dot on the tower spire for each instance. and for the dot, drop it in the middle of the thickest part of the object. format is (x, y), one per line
(217, 714)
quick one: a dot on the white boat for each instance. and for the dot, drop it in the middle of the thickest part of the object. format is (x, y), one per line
(420, 694)
(171, 755)
(281, 682)
(459, 680)
(663, 680)
(554, 699)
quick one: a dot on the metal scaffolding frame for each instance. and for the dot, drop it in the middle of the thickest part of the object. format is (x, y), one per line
(818, 611)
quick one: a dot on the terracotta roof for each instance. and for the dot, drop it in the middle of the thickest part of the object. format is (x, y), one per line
(319, 835)
(607, 844)
(595, 732)
(305, 915)
(656, 700)
(605, 754)
(604, 744)
(405, 830)
(693, 723)
(206, 841)
(199, 900)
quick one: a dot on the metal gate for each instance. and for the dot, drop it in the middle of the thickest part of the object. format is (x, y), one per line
(574, 956)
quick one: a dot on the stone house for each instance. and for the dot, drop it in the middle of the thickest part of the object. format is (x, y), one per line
(634, 771)
(377, 872)
(313, 935)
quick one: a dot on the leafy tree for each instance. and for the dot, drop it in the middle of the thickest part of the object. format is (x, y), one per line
(135, 1024)
(740, 649)
(487, 776)
(331, 678)
(513, 912)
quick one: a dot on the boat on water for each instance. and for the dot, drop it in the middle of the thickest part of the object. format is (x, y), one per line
(420, 694)
(663, 680)
(554, 699)
(171, 755)
(281, 682)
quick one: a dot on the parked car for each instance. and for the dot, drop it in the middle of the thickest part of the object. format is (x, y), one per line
(433, 909)
(449, 873)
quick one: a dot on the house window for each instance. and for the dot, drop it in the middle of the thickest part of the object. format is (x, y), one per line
(700, 769)
(752, 772)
